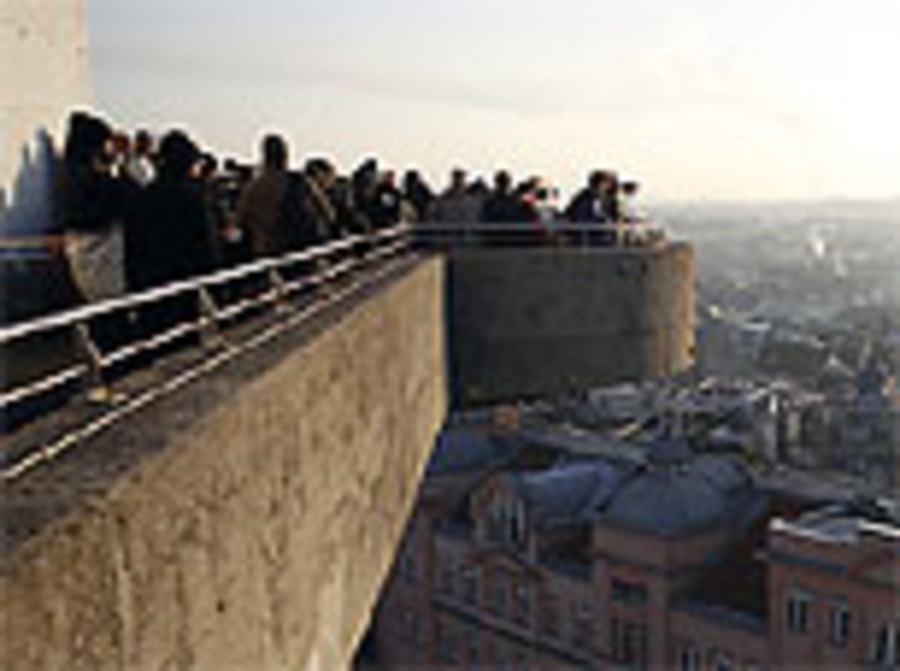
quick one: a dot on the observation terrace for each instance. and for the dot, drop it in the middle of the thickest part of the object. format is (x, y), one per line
(227, 491)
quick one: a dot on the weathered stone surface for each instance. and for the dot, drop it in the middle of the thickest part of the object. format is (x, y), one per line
(531, 322)
(257, 531)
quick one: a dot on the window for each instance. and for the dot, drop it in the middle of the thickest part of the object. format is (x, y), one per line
(624, 591)
(798, 607)
(582, 625)
(446, 643)
(521, 658)
(689, 658)
(411, 627)
(409, 568)
(501, 654)
(445, 585)
(470, 585)
(550, 615)
(887, 647)
(523, 602)
(474, 645)
(629, 643)
(839, 625)
(497, 592)
(506, 522)
(722, 661)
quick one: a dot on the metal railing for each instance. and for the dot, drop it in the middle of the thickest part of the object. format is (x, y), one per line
(205, 312)
(217, 300)
(540, 234)
(226, 296)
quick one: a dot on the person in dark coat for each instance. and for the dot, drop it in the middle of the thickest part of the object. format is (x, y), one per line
(388, 204)
(417, 193)
(260, 208)
(587, 205)
(173, 239)
(307, 214)
(594, 204)
(503, 205)
(349, 220)
(364, 181)
(91, 205)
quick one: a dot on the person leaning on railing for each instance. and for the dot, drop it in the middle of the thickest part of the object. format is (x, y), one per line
(637, 226)
(595, 205)
(91, 204)
(173, 238)
(261, 205)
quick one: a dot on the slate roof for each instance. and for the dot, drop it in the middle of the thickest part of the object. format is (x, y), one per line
(569, 492)
(466, 449)
(678, 494)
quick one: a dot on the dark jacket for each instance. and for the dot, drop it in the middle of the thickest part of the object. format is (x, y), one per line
(89, 201)
(385, 209)
(173, 238)
(504, 208)
(307, 215)
(586, 207)
(260, 213)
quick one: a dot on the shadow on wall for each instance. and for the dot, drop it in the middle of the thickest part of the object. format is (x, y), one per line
(28, 210)
(34, 278)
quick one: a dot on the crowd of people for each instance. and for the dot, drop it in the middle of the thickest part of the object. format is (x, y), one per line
(137, 212)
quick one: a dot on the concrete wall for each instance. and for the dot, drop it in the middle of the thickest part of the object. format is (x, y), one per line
(554, 320)
(43, 74)
(246, 522)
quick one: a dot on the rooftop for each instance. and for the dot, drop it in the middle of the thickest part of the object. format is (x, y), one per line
(846, 522)
(679, 493)
(568, 493)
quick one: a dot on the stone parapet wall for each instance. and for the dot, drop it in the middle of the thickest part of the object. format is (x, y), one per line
(252, 517)
(533, 322)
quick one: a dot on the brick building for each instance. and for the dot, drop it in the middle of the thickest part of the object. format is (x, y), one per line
(524, 555)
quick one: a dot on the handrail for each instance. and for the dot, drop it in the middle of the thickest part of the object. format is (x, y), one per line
(583, 234)
(101, 308)
(536, 226)
(318, 265)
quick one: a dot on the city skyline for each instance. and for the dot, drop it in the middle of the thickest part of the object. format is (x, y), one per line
(763, 101)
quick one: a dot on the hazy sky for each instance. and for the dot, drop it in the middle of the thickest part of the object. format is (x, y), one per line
(697, 98)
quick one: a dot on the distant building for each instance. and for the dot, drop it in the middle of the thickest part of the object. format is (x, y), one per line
(863, 420)
(522, 555)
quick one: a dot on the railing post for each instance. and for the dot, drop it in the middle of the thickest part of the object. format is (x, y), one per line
(98, 391)
(280, 287)
(210, 336)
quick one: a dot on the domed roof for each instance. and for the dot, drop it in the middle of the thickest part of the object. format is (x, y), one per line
(679, 497)
(566, 493)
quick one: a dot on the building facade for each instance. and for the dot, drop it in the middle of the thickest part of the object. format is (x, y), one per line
(520, 557)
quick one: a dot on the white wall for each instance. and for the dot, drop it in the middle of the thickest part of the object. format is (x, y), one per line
(44, 73)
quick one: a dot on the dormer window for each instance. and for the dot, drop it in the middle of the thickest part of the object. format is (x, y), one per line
(505, 524)
(470, 582)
